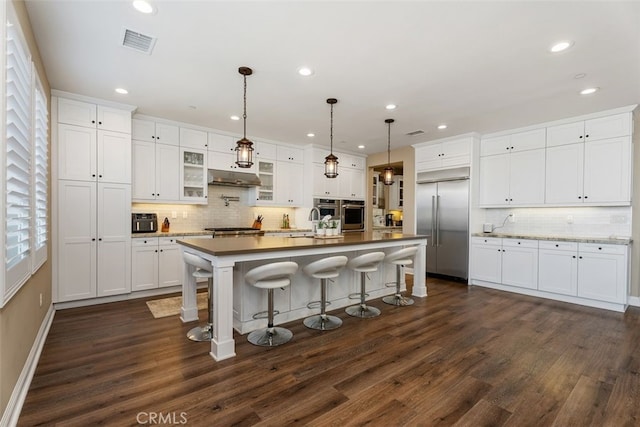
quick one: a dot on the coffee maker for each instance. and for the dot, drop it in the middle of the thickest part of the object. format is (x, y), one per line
(388, 220)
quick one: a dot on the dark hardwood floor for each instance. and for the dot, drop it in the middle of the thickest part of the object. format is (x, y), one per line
(462, 356)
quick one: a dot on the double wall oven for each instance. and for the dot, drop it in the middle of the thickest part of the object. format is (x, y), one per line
(350, 213)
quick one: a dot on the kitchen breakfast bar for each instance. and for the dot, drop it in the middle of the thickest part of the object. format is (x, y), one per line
(235, 303)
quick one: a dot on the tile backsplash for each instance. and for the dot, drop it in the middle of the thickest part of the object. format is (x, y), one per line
(216, 213)
(568, 221)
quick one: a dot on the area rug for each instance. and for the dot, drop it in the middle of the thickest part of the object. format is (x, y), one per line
(171, 306)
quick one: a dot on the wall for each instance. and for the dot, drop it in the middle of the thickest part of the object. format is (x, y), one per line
(406, 155)
(22, 317)
(635, 231)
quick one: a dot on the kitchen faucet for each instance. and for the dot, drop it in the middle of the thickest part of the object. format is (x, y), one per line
(314, 221)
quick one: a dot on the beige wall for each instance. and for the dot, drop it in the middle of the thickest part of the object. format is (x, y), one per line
(635, 211)
(21, 317)
(406, 155)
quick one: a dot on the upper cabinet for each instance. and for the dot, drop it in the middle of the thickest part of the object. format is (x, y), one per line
(443, 155)
(589, 130)
(222, 153)
(94, 116)
(350, 182)
(193, 138)
(151, 131)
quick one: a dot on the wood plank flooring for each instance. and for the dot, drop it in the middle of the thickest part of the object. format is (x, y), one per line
(465, 356)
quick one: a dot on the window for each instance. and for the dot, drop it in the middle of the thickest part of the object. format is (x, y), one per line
(40, 174)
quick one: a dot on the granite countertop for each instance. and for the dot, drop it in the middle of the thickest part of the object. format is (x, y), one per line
(602, 240)
(383, 227)
(256, 244)
(287, 230)
(171, 234)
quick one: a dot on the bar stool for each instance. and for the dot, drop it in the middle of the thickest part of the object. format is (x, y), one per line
(366, 263)
(324, 269)
(269, 277)
(400, 258)
(203, 269)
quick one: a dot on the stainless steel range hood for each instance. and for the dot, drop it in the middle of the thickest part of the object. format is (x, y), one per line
(232, 178)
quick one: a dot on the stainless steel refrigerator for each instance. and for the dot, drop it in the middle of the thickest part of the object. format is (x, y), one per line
(442, 202)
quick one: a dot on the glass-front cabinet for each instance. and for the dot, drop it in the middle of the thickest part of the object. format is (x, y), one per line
(264, 195)
(193, 179)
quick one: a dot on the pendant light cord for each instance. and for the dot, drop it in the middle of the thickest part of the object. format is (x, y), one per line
(389, 146)
(244, 114)
(331, 130)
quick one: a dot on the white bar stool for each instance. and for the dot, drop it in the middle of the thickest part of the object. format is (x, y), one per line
(400, 258)
(203, 269)
(366, 263)
(323, 269)
(270, 276)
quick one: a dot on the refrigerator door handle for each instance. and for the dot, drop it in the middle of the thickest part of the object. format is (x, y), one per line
(438, 220)
(433, 219)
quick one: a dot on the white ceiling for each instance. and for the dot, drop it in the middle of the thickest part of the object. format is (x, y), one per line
(477, 66)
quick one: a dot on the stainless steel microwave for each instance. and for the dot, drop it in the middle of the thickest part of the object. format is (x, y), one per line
(328, 207)
(352, 215)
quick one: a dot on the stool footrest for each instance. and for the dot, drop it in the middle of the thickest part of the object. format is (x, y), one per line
(357, 295)
(318, 304)
(264, 314)
(390, 284)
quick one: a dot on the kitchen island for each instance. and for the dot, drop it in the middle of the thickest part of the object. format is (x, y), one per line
(232, 257)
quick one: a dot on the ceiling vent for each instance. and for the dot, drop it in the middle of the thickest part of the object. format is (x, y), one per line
(415, 132)
(138, 41)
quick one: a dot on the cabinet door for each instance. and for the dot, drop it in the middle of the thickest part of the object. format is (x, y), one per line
(324, 187)
(143, 130)
(456, 153)
(114, 157)
(494, 180)
(113, 119)
(114, 239)
(486, 263)
(529, 140)
(289, 154)
(221, 143)
(608, 127)
(167, 134)
(564, 174)
(167, 172)
(265, 194)
(526, 177)
(144, 266)
(602, 277)
(193, 138)
(77, 243)
(607, 171)
(558, 271)
(169, 266)
(78, 113)
(495, 145)
(520, 266)
(221, 161)
(289, 185)
(569, 133)
(264, 150)
(77, 153)
(358, 184)
(193, 177)
(144, 170)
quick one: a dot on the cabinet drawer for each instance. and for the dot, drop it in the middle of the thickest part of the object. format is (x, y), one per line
(602, 249)
(558, 246)
(144, 241)
(169, 240)
(520, 243)
(487, 241)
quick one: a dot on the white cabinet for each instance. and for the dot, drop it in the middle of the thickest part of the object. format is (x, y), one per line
(486, 259)
(265, 194)
(396, 193)
(521, 141)
(264, 150)
(156, 263)
(444, 155)
(193, 138)
(289, 154)
(350, 183)
(222, 154)
(151, 131)
(323, 187)
(193, 175)
(601, 128)
(93, 116)
(515, 178)
(558, 267)
(289, 189)
(156, 172)
(602, 272)
(94, 240)
(520, 263)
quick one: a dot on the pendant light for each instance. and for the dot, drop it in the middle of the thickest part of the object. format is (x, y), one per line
(244, 149)
(331, 161)
(387, 174)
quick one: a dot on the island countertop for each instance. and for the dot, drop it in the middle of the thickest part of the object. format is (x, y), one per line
(254, 244)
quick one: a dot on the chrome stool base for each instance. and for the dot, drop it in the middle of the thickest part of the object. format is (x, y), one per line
(270, 337)
(322, 322)
(397, 300)
(362, 311)
(201, 333)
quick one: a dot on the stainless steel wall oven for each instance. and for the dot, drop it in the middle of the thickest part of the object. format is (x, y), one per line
(352, 215)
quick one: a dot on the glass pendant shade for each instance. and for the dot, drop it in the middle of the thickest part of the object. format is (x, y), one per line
(244, 153)
(387, 176)
(331, 166)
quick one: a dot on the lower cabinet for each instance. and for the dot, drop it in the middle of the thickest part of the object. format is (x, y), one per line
(585, 273)
(155, 263)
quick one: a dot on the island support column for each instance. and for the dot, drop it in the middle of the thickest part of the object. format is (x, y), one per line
(222, 343)
(189, 310)
(420, 271)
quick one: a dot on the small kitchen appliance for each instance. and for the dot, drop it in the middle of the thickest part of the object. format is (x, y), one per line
(388, 220)
(144, 223)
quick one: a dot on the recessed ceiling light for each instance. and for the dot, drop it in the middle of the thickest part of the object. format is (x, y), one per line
(442, 126)
(560, 46)
(192, 107)
(589, 90)
(580, 76)
(143, 6)
(311, 135)
(391, 106)
(235, 117)
(122, 91)
(360, 146)
(305, 71)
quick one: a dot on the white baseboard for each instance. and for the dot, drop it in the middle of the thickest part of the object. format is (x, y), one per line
(634, 301)
(19, 394)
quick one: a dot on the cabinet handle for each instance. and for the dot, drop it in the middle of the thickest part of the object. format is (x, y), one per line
(580, 136)
(161, 250)
(579, 197)
(512, 148)
(156, 251)
(573, 256)
(100, 239)
(158, 194)
(93, 175)
(599, 249)
(157, 137)
(145, 241)
(586, 136)
(93, 121)
(586, 197)
(511, 200)
(519, 243)
(93, 239)
(99, 123)
(506, 200)
(557, 246)
(580, 257)
(99, 176)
